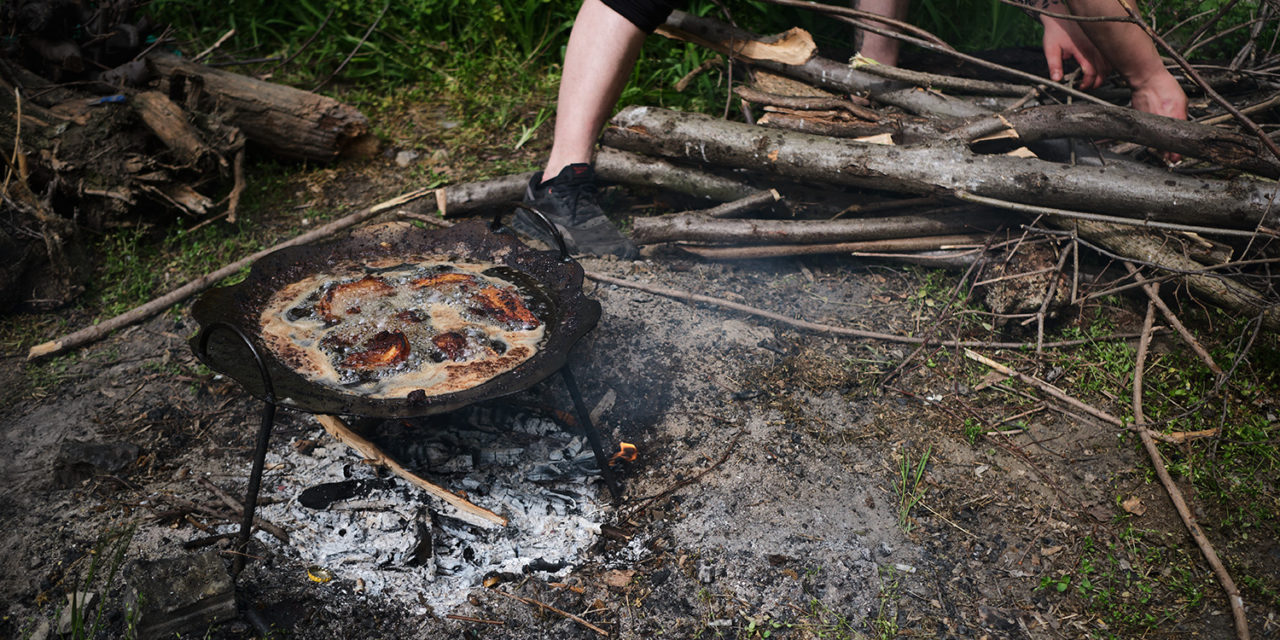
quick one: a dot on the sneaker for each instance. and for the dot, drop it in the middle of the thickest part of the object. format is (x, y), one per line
(569, 200)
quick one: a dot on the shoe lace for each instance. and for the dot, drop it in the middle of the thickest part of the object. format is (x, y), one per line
(574, 192)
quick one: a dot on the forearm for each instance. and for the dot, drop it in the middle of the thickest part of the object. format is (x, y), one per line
(1126, 45)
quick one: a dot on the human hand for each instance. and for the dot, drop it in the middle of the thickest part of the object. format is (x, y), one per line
(1065, 39)
(1160, 94)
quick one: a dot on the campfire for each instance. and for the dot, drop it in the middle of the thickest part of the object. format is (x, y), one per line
(382, 535)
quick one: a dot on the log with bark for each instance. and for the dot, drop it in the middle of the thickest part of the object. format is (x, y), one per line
(933, 168)
(289, 122)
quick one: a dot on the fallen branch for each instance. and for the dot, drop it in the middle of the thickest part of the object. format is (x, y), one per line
(1175, 495)
(624, 167)
(137, 314)
(683, 227)
(807, 103)
(1213, 144)
(1153, 293)
(644, 502)
(927, 243)
(741, 205)
(928, 168)
(940, 81)
(238, 509)
(543, 605)
(455, 506)
(831, 329)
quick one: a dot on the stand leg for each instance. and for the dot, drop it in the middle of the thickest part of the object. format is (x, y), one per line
(260, 449)
(255, 483)
(593, 434)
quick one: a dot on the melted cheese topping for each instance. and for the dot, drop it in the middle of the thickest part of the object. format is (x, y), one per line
(385, 331)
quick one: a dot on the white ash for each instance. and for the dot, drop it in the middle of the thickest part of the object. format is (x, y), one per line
(529, 471)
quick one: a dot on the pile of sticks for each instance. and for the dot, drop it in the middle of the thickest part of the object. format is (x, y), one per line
(984, 154)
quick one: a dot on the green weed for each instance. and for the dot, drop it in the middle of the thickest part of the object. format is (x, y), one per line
(105, 562)
(908, 488)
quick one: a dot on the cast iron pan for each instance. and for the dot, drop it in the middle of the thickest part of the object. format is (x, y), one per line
(550, 276)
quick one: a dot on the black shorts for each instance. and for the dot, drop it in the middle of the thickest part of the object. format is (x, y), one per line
(645, 14)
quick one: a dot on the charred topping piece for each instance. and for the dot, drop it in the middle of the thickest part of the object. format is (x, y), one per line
(443, 279)
(505, 307)
(384, 349)
(344, 298)
(452, 345)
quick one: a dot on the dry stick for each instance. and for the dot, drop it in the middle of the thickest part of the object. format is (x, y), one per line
(204, 54)
(831, 329)
(137, 314)
(1048, 297)
(1204, 86)
(741, 205)
(939, 81)
(305, 44)
(233, 198)
(1228, 585)
(808, 103)
(645, 502)
(926, 243)
(238, 509)
(454, 616)
(1153, 293)
(840, 12)
(466, 511)
(531, 601)
(1179, 437)
(1098, 217)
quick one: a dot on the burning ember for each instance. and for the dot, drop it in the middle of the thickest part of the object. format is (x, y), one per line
(627, 452)
(349, 524)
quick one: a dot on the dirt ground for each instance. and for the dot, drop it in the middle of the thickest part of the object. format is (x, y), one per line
(776, 456)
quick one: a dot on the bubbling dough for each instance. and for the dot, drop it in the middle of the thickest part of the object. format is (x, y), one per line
(387, 330)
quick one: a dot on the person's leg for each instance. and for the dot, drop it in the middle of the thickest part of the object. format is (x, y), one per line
(875, 46)
(602, 50)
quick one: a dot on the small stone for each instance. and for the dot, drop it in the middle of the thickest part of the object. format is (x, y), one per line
(181, 595)
(406, 157)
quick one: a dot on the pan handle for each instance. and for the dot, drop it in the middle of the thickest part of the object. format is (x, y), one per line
(546, 223)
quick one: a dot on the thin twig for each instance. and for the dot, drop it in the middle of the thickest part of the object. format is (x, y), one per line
(94, 332)
(834, 330)
(645, 502)
(531, 601)
(359, 44)
(839, 13)
(1098, 217)
(1048, 298)
(1175, 495)
(305, 44)
(1200, 81)
(1153, 293)
(238, 508)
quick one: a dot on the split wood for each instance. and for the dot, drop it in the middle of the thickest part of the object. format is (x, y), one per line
(238, 509)
(138, 314)
(1206, 548)
(1175, 495)
(831, 329)
(543, 605)
(461, 509)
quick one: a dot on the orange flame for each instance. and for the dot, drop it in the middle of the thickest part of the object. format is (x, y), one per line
(626, 452)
